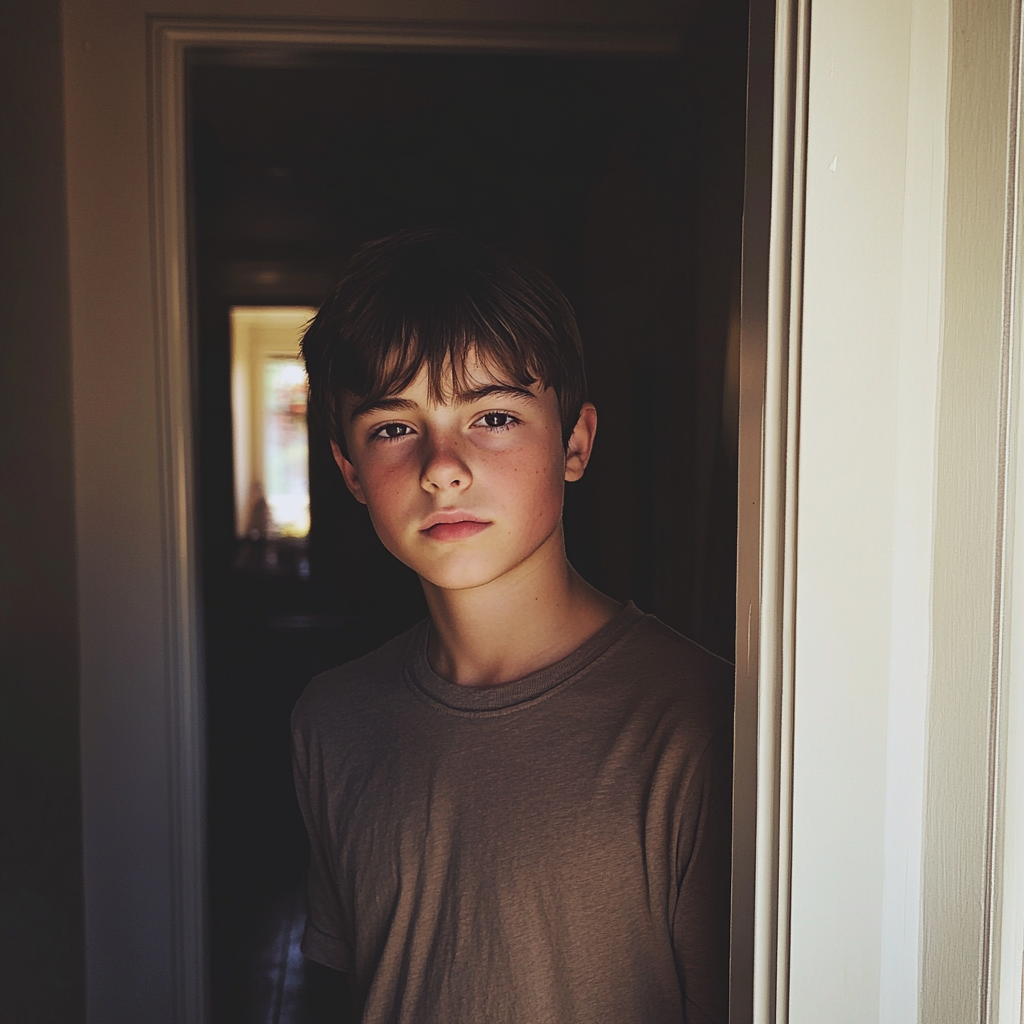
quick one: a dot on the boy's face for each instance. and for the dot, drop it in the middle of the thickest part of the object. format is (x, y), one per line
(464, 491)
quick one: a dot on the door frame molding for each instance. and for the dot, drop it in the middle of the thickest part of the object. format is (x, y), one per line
(770, 343)
(768, 413)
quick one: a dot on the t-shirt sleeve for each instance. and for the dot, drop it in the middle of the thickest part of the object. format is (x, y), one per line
(322, 939)
(701, 922)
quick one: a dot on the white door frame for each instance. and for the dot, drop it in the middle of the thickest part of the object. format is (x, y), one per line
(768, 474)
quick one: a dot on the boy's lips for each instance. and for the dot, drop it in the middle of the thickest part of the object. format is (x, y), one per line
(453, 524)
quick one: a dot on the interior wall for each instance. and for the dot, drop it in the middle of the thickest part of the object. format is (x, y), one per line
(873, 312)
(41, 914)
(857, 123)
(906, 895)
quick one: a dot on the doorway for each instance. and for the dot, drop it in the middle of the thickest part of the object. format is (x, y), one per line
(620, 176)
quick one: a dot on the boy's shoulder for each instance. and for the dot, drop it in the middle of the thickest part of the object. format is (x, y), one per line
(356, 685)
(650, 638)
(665, 664)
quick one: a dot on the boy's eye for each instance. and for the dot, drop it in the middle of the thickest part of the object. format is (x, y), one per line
(392, 431)
(497, 420)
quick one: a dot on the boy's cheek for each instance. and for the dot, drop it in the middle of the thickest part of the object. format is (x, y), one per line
(393, 530)
(385, 478)
(390, 511)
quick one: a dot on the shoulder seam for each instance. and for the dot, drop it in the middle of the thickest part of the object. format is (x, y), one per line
(673, 633)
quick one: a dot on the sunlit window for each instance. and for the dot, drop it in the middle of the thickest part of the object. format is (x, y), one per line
(268, 408)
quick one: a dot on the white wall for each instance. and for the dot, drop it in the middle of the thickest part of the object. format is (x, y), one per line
(907, 430)
(849, 406)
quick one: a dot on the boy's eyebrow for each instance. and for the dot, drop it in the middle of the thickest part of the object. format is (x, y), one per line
(381, 405)
(478, 394)
(462, 398)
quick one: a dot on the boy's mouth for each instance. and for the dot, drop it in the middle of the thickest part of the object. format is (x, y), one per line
(453, 525)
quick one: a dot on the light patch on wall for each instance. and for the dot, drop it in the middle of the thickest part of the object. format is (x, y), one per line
(268, 413)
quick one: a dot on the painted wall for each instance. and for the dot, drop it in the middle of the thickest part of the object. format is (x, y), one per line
(41, 918)
(857, 123)
(906, 518)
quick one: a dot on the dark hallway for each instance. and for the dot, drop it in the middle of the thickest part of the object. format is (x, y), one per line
(622, 178)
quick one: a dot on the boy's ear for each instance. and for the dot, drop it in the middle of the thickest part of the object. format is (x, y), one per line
(348, 471)
(581, 442)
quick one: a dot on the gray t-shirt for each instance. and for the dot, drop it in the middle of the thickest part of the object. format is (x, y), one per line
(549, 850)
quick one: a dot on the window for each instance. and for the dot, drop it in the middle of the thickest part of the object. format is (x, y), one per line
(268, 411)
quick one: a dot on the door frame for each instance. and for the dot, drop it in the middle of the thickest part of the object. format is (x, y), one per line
(769, 428)
(768, 415)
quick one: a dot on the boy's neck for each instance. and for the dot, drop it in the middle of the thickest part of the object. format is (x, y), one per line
(527, 619)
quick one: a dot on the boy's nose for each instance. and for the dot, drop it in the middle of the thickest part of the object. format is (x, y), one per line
(445, 471)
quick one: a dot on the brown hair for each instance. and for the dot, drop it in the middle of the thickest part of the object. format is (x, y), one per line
(425, 298)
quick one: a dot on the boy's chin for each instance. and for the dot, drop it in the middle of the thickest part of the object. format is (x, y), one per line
(462, 575)
(474, 565)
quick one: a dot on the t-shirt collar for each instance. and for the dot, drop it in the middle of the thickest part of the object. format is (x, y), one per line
(507, 696)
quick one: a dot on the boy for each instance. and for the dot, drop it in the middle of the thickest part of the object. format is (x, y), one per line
(518, 810)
